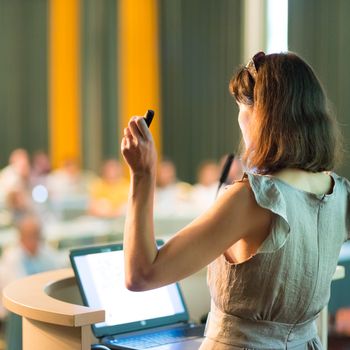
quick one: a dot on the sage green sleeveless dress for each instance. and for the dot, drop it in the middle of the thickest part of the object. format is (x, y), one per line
(271, 300)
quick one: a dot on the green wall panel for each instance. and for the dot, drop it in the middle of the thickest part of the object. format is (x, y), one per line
(23, 72)
(200, 49)
(99, 94)
(319, 30)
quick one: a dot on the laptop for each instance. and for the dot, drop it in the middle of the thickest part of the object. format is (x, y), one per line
(157, 319)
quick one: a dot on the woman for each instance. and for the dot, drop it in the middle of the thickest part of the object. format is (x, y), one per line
(272, 240)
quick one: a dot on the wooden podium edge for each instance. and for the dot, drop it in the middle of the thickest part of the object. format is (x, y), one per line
(28, 297)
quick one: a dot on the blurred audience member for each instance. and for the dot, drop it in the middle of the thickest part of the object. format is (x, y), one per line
(29, 256)
(342, 321)
(172, 197)
(236, 170)
(204, 191)
(68, 189)
(68, 180)
(41, 168)
(19, 203)
(15, 176)
(109, 193)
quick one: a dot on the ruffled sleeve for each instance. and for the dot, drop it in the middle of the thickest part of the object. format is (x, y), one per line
(344, 190)
(347, 184)
(268, 196)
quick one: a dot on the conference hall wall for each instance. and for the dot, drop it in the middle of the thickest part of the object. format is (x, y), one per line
(319, 30)
(198, 45)
(61, 67)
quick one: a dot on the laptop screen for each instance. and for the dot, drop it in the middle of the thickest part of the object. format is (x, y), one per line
(100, 275)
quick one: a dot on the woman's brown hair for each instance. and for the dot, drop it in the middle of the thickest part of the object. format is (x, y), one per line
(291, 126)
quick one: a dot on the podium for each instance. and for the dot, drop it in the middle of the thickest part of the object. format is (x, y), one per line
(50, 306)
(54, 318)
(53, 314)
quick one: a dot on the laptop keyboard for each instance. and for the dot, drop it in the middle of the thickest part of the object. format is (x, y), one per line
(151, 340)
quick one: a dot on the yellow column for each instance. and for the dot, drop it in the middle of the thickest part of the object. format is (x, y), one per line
(139, 62)
(64, 80)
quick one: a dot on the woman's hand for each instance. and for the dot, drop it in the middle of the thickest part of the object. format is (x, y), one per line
(138, 148)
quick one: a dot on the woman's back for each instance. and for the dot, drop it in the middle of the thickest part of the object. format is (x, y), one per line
(287, 280)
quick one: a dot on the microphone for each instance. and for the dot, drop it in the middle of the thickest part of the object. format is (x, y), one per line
(225, 171)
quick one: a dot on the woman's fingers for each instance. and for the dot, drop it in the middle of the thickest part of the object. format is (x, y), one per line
(136, 132)
(138, 127)
(127, 132)
(144, 130)
(125, 143)
(134, 129)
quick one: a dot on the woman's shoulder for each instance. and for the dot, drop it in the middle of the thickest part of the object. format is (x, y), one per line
(238, 205)
(344, 181)
(250, 186)
(263, 191)
(251, 194)
(263, 187)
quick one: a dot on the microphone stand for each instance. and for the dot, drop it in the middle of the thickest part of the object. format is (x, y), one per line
(225, 171)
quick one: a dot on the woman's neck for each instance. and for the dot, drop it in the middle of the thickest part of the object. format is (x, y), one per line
(318, 183)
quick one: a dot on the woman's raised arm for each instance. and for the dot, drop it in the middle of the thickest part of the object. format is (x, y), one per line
(235, 215)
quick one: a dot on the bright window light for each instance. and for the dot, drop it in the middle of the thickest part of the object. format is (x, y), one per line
(277, 26)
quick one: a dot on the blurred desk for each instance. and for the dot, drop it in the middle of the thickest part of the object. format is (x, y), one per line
(86, 230)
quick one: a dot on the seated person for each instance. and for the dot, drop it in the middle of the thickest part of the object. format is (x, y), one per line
(204, 191)
(236, 170)
(19, 204)
(15, 176)
(172, 197)
(109, 193)
(41, 168)
(29, 256)
(68, 189)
